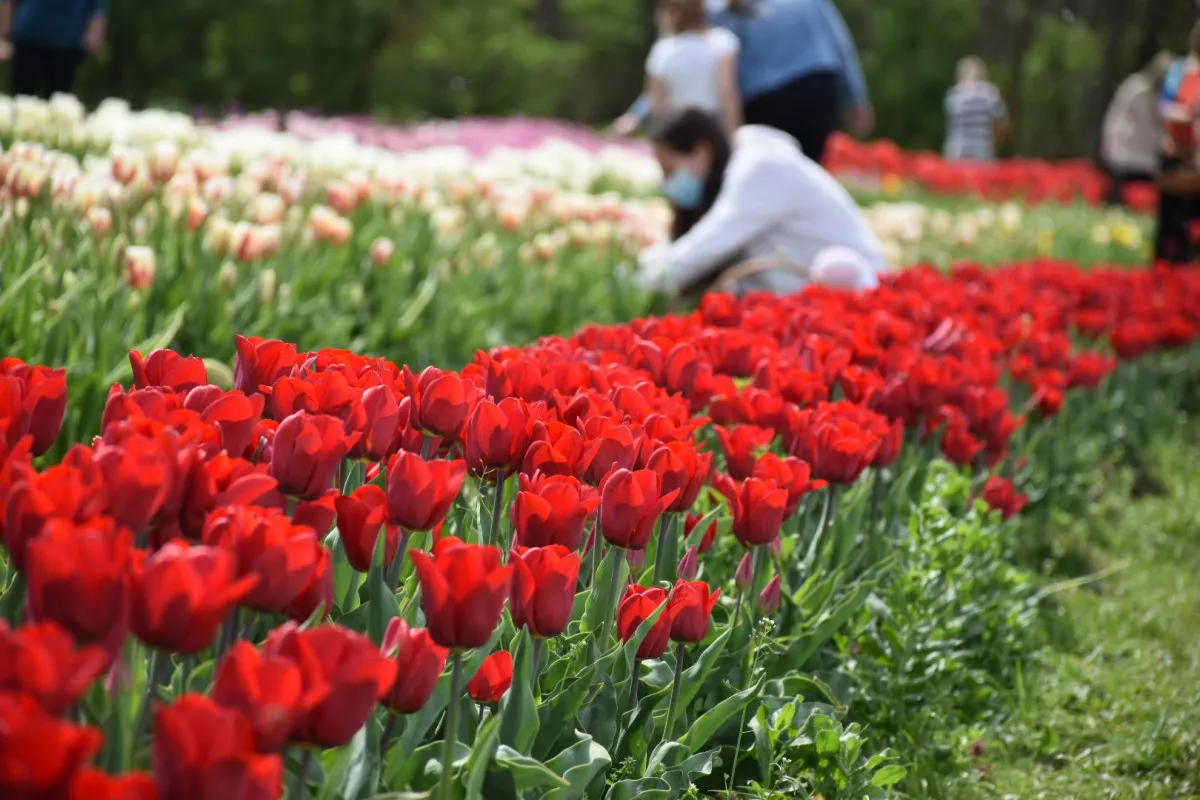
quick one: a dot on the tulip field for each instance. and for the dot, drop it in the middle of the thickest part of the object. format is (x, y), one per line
(351, 463)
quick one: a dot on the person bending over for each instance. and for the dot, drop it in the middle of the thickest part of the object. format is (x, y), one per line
(752, 212)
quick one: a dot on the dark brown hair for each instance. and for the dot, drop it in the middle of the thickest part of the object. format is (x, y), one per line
(682, 131)
(690, 15)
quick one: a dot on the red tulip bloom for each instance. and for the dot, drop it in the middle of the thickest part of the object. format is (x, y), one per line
(260, 363)
(267, 545)
(376, 418)
(319, 591)
(630, 504)
(268, 690)
(741, 446)
(62, 492)
(203, 751)
(552, 511)
(182, 594)
(637, 605)
(419, 664)
(493, 679)
(707, 536)
(758, 508)
(41, 661)
(40, 755)
(889, 445)
(680, 466)
(497, 436)
(788, 473)
(543, 588)
(614, 448)
(92, 784)
(345, 665)
(32, 400)
(77, 578)
(420, 492)
(463, 589)
(442, 402)
(138, 461)
(317, 514)
(236, 416)
(167, 369)
(555, 449)
(958, 445)
(1002, 496)
(307, 452)
(690, 608)
(837, 448)
(361, 517)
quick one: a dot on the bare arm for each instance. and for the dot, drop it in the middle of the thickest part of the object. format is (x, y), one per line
(6, 19)
(729, 93)
(656, 90)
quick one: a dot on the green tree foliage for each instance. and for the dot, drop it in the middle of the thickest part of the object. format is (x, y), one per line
(1056, 61)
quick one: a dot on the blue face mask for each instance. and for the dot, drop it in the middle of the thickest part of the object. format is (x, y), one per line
(684, 189)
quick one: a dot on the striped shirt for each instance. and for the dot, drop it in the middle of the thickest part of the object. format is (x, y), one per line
(972, 111)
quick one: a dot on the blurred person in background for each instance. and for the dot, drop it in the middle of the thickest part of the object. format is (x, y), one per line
(1179, 181)
(1133, 131)
(797, 70)
(50, 39)
(694, 66)
(975, 114)
(753, 213)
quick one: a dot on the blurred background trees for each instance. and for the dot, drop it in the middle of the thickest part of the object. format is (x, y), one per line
(1057, 61)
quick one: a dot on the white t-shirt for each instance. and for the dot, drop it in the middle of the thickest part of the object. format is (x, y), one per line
(687, 65)
(774, 203)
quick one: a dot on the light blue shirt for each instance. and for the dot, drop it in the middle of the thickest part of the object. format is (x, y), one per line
(784, 40)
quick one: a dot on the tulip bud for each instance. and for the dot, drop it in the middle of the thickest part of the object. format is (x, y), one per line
(382, 251)
(688, 566)
(744, 576)
(636, 559)
(768, 599)
(266, 286)
(227, 275)
(99, 221)
(140, 267)
(775, 546)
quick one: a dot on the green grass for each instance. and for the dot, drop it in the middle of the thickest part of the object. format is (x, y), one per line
(1112, 708)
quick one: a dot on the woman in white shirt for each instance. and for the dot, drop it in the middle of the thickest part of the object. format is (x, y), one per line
(756, 199)
(695, 66)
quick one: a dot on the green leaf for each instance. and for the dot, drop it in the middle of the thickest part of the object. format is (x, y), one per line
(563, 706)
(695, 676)
(344, 597)
(643, 789)
(527, 773)
(712, 720)
(579, 765)
(362, 769)
(601, 603)
(889, 775)
(487, 739)
(518, 709)
(828, 742)
(380, 597)
(406, 766)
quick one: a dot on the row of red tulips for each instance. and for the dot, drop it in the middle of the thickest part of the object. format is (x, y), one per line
(536, 503)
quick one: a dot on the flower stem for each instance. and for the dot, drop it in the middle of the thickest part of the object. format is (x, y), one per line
(538, 644)
(300, 787)
(822, 533)
(446, 783)
(158, 663)
(611, 611)
(676, 687)
(497, 501)
(634, 680)
(389, 729)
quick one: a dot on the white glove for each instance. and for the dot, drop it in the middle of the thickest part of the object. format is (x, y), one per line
(654, 267)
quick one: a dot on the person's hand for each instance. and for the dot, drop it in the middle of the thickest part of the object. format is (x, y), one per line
(625, 126)
(93, 37)
(862, 119)
(653, 266)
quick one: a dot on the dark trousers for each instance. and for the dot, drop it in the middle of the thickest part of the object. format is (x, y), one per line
(1176, 213)
(807, 108)
(40, 71)
(1119, 177)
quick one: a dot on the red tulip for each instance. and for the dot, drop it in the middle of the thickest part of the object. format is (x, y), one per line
(317, 514)
(40, 661)
(282, 556)
(630, 504)
(204, 751)
(690, 608)
(236, 416)
(268, 690)
(707, 536)
(758, 508)
(443, 400)
(637, 605)
(497, 436)
(182, 594)
(1000, 495)
(790, 474)
(419, 664)
(62, 492)
(835, 446)
(689, 565)
(681, 467)
(361, 517)
(77, 578)
(552, 511)
(307, 452)
(543, 588)
(260, 363)
(420, 492)
(34, 400)
(958, 445)
(493, 679)
(614, 448)
(740, 446)
(345, 665)
(92, 784)
(769, 597)
(555, 449)
(319, 591)
(463, 589)
(167, 369)
(40, 755)
(138, 461)
(376, 419)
